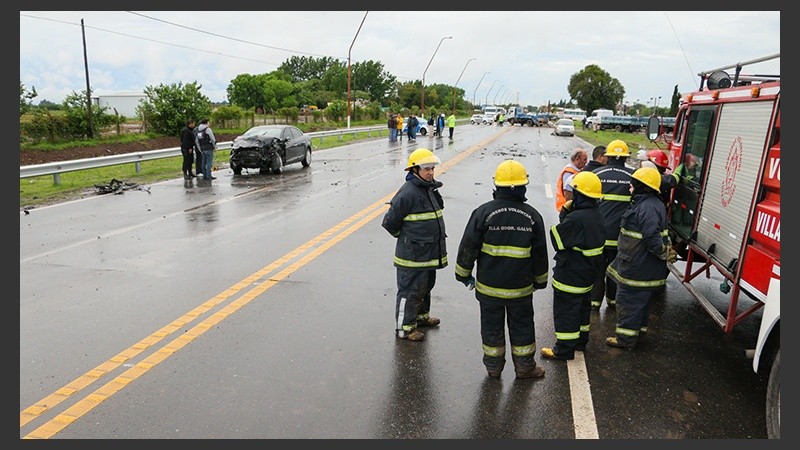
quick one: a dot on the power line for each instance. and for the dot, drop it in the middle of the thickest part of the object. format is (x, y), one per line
(680, 45)
(226, 37)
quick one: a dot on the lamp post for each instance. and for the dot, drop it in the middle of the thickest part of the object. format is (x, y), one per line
(348, 67)
(486, 100)
(655, 109)
(459, 79)
(426, 71)
(476, 89)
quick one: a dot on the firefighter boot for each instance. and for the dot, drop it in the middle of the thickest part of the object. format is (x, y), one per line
(526, 367)
(494, 365)
(413, 335)
(426, 320)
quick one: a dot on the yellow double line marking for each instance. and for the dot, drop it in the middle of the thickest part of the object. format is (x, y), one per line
(319, 244)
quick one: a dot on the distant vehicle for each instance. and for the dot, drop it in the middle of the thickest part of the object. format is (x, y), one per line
(574, 114)
(565, 127)
(593, 121)
(488, 118)
(269, 148)
(477, 119)
(494, 110)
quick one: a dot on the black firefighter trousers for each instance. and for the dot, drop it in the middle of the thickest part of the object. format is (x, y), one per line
(519, 314)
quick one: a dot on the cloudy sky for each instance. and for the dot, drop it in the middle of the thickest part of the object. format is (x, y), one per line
(524, 57)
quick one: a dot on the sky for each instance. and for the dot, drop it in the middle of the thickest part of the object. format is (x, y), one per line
(521, 57)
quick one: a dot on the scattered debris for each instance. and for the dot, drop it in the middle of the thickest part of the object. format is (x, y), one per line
(118, 187)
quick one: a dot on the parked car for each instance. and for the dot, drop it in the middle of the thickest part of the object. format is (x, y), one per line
(565, 127)
(488, 118)
(422, 126)
(269, 148)
(477, 119)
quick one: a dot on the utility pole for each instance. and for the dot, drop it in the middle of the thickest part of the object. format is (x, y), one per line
(90, 131)
(348, 67)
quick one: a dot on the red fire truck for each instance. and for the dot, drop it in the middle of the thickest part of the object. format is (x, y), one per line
(725, 211)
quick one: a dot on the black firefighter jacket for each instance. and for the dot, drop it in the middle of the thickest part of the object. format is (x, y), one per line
(615, 178)
(578, 241)
(506, 237)
(643, 245)
(415, 219)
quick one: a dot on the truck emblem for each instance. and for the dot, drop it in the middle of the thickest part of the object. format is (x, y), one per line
(732, 166)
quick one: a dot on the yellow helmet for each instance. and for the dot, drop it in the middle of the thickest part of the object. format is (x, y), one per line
(588, 184)
(649, 176)
(422, 156)
(617, 147)
(510, 173)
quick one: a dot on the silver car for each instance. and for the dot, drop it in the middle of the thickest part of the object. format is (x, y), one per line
(565, 127)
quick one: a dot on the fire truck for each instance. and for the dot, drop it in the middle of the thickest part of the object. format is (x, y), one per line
(724, 214)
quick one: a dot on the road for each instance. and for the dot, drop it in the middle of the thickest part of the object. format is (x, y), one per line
(262, 307)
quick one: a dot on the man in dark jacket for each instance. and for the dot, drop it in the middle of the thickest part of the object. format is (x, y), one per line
(188, 148)
(415, 219)
(578, 242)
(643, 251)
(599, 159)
(505, 237)
(615, 177)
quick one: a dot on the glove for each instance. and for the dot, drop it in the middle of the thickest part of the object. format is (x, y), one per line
(469, 282)
(672, 256)
(567, 206)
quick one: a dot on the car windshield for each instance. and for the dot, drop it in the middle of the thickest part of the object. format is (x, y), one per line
(565, 122)
(263, 131)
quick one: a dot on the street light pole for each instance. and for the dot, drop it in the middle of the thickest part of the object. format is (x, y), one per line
(426, 71)
(348, 67)
(486, 100)
(476, 89)
(459, 79)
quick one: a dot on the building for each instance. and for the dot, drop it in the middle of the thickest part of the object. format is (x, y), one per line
(124, 103)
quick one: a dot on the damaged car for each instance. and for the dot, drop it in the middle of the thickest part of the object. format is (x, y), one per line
(269, 148)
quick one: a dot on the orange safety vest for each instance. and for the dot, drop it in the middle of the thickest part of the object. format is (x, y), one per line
(560, 199)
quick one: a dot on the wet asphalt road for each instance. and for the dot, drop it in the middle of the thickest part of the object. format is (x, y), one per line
(261, 307)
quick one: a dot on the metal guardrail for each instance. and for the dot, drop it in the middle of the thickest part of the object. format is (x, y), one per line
(59, 167)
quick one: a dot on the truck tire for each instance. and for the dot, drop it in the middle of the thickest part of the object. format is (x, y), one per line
(774, 398)
(618, 128)
(530, 122)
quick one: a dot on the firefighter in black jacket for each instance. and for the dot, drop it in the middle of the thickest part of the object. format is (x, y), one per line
(615, 177)
(578, 241)
(415, 219)
(505, 237)
(643, 251)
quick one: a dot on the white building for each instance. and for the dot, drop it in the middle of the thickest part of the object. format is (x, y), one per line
(125, 103)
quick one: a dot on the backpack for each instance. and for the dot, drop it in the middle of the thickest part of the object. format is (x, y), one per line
(203, 139)
(392, 122)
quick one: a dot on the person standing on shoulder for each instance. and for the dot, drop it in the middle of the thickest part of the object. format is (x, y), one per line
(207, 143)
(451, 124)
(577, 161)
(505, 238)
(415, 219)
(400, 127)
(501, 119)
(440, 125)
(578, 241)
(640, 266)
(392, 124)
(187, 148)
(615, 177)
(413, 123)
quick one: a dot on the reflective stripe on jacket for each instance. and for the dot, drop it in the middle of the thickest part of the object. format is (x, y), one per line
(615, 178)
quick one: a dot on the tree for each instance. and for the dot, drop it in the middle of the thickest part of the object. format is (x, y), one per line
(304, 68)
(166, 108)
(371, 77)
(676, 98)
(248, 91)
(25, 97)
(594, 88)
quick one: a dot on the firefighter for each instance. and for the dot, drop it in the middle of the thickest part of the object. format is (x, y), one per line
(639, 268)
(668, 181)
(615, 178)
(578, 242)
(415, 219)
(505, 238)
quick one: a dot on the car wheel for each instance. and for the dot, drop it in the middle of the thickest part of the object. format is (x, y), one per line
(306, 161)
(423, 131)
(277, 165)
(774, 399)
(237, 169)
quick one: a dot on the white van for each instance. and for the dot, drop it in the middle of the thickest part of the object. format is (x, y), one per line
(494, 110)
(594, 119)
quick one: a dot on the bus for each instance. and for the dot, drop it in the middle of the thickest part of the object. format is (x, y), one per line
(574, 114)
